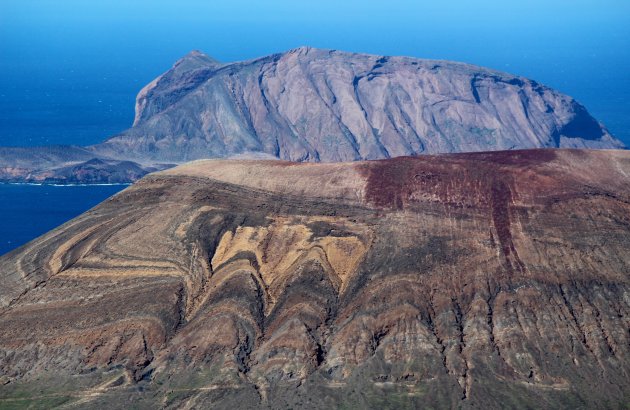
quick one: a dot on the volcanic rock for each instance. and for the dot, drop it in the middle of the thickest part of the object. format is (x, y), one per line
(324, 105)
(321, 106)
(480, 280)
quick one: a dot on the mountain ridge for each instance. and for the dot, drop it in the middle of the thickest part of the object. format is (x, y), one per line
(234, 94)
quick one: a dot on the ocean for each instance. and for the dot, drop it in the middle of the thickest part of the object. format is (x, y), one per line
(28, 211)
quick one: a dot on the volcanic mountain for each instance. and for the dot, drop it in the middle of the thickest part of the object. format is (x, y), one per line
(322, 106)
(465, 280)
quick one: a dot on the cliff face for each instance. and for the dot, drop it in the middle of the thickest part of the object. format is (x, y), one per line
(473, 280)
(322, 105)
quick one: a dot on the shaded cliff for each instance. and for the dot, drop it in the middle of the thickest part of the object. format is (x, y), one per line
(323, 105)
(467, 280)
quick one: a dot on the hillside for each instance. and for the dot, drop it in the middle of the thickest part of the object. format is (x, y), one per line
(467, 280)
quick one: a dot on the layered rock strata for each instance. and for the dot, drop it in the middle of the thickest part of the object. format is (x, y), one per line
(454, 281)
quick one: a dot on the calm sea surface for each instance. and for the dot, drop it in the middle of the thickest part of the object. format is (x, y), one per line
(27, 211)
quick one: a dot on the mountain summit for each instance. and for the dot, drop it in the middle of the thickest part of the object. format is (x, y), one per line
(310, 104)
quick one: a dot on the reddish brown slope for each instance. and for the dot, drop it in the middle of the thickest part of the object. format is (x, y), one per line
(470, 280)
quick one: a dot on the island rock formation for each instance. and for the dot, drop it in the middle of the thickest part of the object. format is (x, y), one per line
(483, 280)
(320, 106)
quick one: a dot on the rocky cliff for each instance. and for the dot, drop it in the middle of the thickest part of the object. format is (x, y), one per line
(68, 165)
(323, 105)
(319, 106)
(454, 281)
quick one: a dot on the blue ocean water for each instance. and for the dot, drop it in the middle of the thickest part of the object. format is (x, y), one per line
(27, 211)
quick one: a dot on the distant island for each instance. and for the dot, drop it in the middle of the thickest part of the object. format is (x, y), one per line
(317, 105)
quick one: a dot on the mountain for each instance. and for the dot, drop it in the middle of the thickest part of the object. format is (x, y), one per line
(67, 165)
(323, 106)
(478, 280)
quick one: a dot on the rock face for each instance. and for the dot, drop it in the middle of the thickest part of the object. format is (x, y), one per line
(323, 105)
(471, 280)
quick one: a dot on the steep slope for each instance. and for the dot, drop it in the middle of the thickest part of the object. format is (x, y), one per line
(323, 105)
(469, 280)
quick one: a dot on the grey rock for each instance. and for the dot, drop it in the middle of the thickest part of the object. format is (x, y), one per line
(325, 105)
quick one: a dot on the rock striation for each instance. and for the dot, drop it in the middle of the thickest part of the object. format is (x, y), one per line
(479, 280)
(320, 106)
(324, 105)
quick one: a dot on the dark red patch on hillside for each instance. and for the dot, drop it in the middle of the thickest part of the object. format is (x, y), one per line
(482, 181)
(501, 202)
(464, 179)
(516, 158)
(389, 181)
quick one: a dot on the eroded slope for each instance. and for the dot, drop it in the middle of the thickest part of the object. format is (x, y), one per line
(474, 280)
